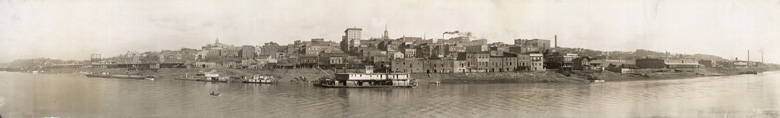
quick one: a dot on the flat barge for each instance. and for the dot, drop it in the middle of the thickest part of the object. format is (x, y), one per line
(106, 75)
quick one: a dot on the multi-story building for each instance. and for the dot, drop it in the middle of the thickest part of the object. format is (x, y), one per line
(407, 65)
(523, 62)
(434, 65)
(509, 62)
(476, 62)
(351, 39)
(477, 48)
(537, 62)
(314, 50)
(379, 61)
(269, 48)
(307, 61)
(332, 60)
(410, 53)
(432, 50)
(459, 66)
(247, 52)
(522, 49)
(539, 43)
(495, 64)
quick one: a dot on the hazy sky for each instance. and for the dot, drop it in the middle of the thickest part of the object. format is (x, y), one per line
(74, 29)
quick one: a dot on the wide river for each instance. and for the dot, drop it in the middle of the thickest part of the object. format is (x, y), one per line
(74, 95)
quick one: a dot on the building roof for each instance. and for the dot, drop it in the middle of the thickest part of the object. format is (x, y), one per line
(354, 28)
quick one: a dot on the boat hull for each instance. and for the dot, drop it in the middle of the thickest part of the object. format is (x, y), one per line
(211, 80)
(259, 82)
(369, 86)
(118, 76)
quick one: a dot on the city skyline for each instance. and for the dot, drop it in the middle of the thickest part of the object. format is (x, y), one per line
(76, 29)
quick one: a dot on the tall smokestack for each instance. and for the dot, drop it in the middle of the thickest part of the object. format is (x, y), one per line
(556, 41)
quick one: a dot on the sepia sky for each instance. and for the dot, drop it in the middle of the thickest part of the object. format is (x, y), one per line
(74, 29)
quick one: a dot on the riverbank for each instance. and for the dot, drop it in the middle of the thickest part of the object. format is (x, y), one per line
(550, 76)
(179, 73)
(554, 76)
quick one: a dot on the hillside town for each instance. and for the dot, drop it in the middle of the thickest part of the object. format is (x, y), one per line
(462, 53)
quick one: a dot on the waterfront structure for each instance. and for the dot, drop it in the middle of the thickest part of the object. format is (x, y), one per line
(407, 65)
(559, 61)
(495, 64)
(740, 64)
(650, 63)
(581, 63)
(607, 62)
(459, 66)
(476, 62)
(509, 62)
(537, 62)
(708, 63)
(676, 63)
(523, 62)
(434, 65)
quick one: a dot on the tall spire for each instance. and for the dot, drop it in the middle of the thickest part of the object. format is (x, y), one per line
(384, 36)
(217, 41)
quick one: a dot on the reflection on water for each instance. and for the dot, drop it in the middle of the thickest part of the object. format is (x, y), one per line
(69, 95)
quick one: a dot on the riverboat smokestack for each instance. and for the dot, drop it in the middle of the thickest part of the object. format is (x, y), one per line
(369, 69)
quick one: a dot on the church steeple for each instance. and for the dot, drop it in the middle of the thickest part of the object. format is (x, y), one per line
(217, 41)
(384, 36)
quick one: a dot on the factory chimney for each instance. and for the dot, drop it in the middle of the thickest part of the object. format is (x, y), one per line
(556, 41)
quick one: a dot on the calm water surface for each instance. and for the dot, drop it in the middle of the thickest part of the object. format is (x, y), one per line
(72, 95)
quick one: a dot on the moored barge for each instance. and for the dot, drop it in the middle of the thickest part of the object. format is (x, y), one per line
(107, 75)
(261, 79)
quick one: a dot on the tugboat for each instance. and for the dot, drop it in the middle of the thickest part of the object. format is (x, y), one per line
(367, 80)
(261, 79)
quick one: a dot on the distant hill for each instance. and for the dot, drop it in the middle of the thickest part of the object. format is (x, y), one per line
(639, 53)
(41, 62)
